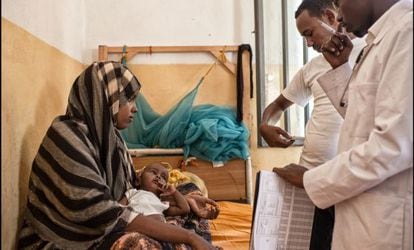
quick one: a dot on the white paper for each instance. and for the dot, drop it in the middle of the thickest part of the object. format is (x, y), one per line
(283, 215)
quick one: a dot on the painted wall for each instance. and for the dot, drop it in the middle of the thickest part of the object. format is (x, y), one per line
(35, 83)
(58, 23)
(45, 45)
(166, 22)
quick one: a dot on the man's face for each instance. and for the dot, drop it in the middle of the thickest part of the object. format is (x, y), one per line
(355, 16)
(311, 29)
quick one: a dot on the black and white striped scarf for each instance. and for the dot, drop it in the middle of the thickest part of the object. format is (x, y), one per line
(82, 167)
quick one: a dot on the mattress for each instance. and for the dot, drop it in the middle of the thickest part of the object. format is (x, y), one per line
(231, 229)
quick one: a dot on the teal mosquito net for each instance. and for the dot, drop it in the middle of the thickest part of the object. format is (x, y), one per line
(208, 132)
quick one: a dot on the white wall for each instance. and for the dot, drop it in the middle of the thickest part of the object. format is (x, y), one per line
(58, 23)
(167, 22)
(77, 27)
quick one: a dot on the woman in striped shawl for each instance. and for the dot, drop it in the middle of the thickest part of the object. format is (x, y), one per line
(82, 170)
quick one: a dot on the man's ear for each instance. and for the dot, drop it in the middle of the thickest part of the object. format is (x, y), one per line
(329, 16)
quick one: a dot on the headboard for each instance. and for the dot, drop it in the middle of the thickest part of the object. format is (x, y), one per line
(234, 180)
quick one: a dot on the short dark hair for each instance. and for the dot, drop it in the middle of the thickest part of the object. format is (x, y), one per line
(315, 7)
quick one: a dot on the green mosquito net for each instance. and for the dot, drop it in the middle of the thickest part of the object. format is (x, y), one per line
(208, 132)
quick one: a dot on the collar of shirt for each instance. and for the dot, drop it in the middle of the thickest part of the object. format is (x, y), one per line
(388, 20)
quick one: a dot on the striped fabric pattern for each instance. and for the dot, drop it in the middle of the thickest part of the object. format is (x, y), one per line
(82, 167)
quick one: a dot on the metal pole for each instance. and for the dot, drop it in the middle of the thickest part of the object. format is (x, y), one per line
(260, 62)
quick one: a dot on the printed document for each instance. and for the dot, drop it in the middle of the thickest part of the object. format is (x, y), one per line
(282, 215)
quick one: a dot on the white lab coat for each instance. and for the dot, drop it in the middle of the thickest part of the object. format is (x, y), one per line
(370, 181)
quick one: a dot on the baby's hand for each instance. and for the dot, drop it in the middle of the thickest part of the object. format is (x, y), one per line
(162, 185)
(168, 190)
(203, 207)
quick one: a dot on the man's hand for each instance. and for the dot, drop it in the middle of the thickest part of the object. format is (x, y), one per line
(292, 173)
(337, 49)
(275, 136)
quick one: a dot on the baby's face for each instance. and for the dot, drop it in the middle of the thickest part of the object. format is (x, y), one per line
(154, 178)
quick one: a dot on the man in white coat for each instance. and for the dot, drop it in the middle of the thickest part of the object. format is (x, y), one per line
(316, 22)
(370, 181)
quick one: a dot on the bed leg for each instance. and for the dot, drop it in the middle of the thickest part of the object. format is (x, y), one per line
(249, 185)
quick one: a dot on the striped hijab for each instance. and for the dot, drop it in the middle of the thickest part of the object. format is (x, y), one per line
(82, 167)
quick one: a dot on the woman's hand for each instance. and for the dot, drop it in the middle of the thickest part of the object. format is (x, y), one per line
(198, 243)
(162, 231)
(202, 206)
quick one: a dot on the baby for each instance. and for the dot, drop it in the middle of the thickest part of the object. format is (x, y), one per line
(152, 187)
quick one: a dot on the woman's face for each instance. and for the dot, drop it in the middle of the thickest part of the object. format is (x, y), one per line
(126, 114)
(153, 176)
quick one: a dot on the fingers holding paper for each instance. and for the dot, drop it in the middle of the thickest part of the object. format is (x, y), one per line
(292, 173)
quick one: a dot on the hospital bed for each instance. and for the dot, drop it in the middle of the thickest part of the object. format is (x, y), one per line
(230, 185)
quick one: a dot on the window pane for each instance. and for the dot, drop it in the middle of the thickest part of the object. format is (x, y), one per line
(295, 62)
(284, 52)
(272, 26)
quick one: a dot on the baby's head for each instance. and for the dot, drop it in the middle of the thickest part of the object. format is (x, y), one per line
(153, 178)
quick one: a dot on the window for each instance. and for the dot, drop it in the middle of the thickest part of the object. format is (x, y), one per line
(280, 53)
